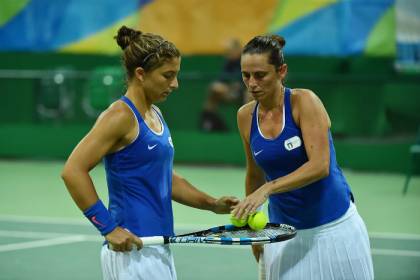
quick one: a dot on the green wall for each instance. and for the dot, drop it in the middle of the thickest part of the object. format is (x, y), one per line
(374, 111)
(56, 141)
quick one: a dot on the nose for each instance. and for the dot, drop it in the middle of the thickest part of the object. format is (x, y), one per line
(252, 82)
(174, 84)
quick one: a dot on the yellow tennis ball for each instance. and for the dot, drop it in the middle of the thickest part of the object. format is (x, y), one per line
(238, 222)
(257, 221)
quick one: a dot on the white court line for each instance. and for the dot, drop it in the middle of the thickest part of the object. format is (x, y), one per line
(43, 220)
(41, 243)
(390, 235)
(46, 235)
(178, 227)
(398, 253)
(82, 221)
(56, 239)
(31, 234)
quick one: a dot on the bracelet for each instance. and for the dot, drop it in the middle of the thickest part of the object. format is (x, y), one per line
(99, 216)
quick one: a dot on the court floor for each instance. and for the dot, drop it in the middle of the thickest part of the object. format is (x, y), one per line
(44, 236)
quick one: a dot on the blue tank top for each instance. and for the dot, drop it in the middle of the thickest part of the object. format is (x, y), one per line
(139, 181)
(307, 207)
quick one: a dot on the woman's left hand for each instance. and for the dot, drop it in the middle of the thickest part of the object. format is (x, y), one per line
(225, 204)
(250, 204)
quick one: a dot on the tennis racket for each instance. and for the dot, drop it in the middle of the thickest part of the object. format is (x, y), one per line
(228, 235)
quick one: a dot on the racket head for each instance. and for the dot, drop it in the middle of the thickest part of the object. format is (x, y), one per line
(231, 235)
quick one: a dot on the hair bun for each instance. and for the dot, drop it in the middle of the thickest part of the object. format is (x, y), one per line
(125, 35)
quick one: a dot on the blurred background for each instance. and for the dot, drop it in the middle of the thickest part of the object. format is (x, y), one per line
(60, 67)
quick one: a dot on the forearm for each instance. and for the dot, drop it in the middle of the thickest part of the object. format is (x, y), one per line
(80, 186)
(185, 193)
(301, 177)
(252, 182)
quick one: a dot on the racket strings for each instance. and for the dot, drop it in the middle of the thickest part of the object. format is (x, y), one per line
(265, 233)
(231, 235)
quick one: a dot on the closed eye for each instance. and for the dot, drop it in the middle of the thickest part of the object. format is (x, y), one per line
(260, 75)
(169, 75)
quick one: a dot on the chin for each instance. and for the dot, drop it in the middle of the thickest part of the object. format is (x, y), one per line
(162, 99)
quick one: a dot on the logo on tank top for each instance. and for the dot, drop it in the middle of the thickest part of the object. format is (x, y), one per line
(151, 147)
(292, 143)
(170, 141)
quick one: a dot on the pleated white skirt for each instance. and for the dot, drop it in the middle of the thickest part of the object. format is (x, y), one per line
(149, 263)
(337, 250)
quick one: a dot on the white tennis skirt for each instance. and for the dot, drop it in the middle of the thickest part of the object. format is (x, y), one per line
(337, 250)
(149, 263)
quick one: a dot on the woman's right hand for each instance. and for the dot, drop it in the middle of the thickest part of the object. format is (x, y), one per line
(257, 250)
(121, 240)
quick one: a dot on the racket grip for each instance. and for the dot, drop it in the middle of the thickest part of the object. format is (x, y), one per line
(262, 275)
(147, 241)
(153, 240)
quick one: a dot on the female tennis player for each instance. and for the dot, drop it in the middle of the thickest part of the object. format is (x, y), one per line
(291, 161)
(134, 141)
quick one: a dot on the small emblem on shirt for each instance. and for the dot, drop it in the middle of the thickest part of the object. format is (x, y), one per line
(257, 153)
(292, 143)
(170, 141)
(151, 147)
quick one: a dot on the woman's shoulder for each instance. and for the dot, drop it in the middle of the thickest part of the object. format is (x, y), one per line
(118, 114)
(245, 117)
(303, 94)
(118, 109)
(305, 100)
(247, 109)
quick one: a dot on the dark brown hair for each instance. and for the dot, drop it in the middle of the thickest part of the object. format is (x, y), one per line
(145, 50)
(271, 44)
